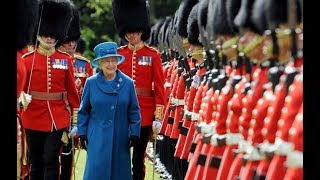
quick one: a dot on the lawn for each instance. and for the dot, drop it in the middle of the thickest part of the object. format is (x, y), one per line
(80, 158)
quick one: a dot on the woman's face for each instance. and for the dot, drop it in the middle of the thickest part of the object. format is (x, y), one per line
(109, 65)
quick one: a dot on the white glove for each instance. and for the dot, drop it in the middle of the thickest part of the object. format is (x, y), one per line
(156, 126)
(73, 131)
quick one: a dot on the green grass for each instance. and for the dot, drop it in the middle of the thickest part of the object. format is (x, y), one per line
(80, 159)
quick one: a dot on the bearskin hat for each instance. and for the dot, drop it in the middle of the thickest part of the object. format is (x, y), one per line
(54, 17)
(203, 13)
(259, 16)
(132, 16)
(81, 46)
(232, 8)
(153, 41)
(277, 12)
(183, 14)
(27, 13)
(243, 18)
(192, 26)
(74, 32)
(162, 31)
(217, 11)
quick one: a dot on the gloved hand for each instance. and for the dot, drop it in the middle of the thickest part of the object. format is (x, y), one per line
(133, 140)
(83, 142)
(156, 126)
(73, 131)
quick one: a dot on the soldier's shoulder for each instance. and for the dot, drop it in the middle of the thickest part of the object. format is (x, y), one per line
(122, 47)
(63, 52)
(27, 54)
(152, 48)
(79, 57)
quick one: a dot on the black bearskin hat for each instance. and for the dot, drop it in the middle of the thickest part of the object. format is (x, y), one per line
(74, 32)
(132, 16)
(243, 18)
(277, 12)
(203, 13)
(183, 14)
(232, 7)
(81, 46)
(153, 41)
(192, 26)
(217, 19)
(55, 17)
(259, 16)
(27, 13)
(162, 31)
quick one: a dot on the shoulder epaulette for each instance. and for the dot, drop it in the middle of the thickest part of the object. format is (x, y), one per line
(152, 48)
(28, 53)
(76, 56)
(63, 52)
(121, 47)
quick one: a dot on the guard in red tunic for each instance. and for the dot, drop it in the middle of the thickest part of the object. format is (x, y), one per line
(82, 70)
(294, 162)
(143, 64)
(196, 51)
(27, 13)
(282, 146)
(50, 82)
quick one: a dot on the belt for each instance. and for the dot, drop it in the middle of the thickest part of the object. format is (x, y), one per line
(144, 92)
(47, 96)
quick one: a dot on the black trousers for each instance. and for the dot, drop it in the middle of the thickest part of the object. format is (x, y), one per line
(66, 160)
(43, 154)
(139, 153)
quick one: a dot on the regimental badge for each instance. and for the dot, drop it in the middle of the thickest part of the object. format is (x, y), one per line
(60, 63)
(145, 60)
(196, 81)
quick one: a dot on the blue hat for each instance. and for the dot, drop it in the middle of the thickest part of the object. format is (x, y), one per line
(106, 49)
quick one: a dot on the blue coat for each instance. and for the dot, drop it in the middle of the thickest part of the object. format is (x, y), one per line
(109, 113)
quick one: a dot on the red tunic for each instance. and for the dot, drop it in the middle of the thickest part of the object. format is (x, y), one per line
(144, 66)
(82, 70)
(53, 74)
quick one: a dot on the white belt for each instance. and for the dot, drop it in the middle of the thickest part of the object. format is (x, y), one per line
(167, 84)
(283, 147)
(186, 112)
(195, 116)
(253, 154)
(172, 99)
(215, 137)
(294, 159)
(208, 128)
(266, 147)
(233, 138)
(243, 146)
(179, 102)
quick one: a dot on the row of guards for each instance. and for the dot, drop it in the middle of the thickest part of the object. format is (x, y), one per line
(234, 90)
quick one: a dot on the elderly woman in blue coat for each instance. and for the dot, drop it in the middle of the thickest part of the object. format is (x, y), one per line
(108, 118)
